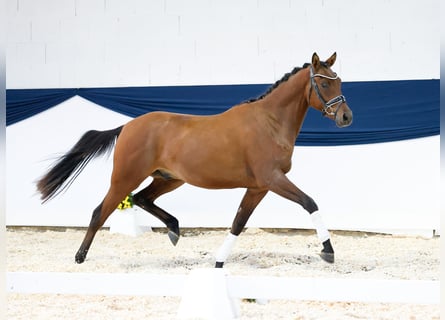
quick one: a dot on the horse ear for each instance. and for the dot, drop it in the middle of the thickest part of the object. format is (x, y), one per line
(330, 62)
(315, 61)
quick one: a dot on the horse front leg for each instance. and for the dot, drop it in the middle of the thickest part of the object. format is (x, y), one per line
(251, 199)
(284, 187)
(327, 253)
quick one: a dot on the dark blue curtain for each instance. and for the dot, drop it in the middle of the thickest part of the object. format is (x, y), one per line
(25, 103)
(383, 110)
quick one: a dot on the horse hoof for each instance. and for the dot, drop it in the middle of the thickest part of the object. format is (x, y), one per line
(219, 264)
(79, 258)
(327, 256)
(173, 237)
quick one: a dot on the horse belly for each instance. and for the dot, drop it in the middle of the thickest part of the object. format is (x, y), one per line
(209, 163)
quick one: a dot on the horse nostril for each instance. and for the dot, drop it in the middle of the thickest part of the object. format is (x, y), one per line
(343, 119)
(347, 118)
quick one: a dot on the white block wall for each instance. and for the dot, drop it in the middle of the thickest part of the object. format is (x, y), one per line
(96, 43)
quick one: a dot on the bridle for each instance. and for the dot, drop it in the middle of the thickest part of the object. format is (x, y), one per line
(328, 109)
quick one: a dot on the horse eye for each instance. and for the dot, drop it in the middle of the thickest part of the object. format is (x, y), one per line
(324, 84)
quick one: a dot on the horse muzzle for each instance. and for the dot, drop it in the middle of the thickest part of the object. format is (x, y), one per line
(343, 118)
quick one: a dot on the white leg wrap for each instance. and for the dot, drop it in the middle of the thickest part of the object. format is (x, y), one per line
(226, 247)
(322, 232)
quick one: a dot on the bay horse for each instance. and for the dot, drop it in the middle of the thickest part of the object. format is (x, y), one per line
(248, 146)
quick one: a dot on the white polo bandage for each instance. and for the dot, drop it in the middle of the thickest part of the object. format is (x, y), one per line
(322, 232)
(226, 248)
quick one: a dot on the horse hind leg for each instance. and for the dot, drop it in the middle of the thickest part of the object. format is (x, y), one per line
(95, 225)
(100, 215)
(146, 197)
(251, 199)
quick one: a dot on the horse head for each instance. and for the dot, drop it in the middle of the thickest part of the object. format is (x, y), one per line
(325, 91)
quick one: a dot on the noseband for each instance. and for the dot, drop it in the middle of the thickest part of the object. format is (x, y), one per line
(328, 109)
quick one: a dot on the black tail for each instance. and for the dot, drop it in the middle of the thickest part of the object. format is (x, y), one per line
(92, 144)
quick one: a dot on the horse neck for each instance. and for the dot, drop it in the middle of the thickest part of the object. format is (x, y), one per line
(286, 106)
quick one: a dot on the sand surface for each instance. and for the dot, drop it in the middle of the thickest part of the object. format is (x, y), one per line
(291, 253)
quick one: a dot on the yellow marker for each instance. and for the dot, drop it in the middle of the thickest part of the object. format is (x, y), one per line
(126, 203)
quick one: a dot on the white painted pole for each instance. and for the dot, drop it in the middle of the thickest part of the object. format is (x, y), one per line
(255, 287)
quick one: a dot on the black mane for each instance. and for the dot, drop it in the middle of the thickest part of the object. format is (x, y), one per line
(276, 84)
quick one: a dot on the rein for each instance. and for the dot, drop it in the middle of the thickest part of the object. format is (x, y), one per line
(328, 105)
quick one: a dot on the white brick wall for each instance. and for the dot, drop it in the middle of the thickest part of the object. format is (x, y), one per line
(84, 43)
